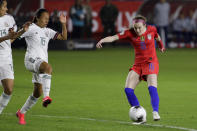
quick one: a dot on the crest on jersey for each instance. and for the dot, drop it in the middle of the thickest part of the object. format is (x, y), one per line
(149, 36)
(142, 38)
(6, 24)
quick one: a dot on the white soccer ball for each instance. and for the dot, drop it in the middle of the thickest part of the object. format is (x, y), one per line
(137, 114)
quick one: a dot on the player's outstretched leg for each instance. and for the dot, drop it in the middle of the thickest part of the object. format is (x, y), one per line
(131, 83)
(152, 87)
(46, 71)
(6, 95)
(30, 102)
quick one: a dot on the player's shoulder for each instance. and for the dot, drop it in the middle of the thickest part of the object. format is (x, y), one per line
(151, 28)
(32, 28)
(8, 16)
(125, 31)
(130, 30)
(47, 29)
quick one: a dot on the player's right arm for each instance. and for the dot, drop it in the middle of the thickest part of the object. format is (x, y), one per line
(12, 35)
(107, 40)
(21, 31)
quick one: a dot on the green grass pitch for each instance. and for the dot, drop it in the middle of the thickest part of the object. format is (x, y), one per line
(88, 92)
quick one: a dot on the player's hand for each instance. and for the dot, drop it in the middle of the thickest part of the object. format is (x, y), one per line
(12, 34)
(162, 50)
(26, 26)
(99, 44)
(62, 18)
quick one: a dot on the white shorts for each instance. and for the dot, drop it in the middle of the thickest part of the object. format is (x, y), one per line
(33, 65)
(6, 71)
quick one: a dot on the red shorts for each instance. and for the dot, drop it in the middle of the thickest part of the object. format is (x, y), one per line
(145, 69)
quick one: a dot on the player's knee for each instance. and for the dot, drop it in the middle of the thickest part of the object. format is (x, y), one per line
(48, 69)
(152, 80)
(45, 68)
(129, 85)
(152, 83)
(8, 90)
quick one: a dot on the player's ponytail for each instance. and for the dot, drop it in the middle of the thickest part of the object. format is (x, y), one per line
(38, 14)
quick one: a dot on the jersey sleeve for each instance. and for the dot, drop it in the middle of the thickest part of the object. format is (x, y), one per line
(124, 34)
(27, 33)
(154, 29)
(160, 43)
(52, 34)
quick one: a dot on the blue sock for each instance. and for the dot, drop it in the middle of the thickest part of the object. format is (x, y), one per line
(154, 98)
(131, 97)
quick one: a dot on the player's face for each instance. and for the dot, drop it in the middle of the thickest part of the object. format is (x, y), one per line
(43, 20)
(3, 8)
(139, 28)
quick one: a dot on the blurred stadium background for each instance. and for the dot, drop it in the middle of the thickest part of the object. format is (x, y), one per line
(88, 84)
(181, 26)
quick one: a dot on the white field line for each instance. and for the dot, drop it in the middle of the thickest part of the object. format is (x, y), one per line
(110, 121)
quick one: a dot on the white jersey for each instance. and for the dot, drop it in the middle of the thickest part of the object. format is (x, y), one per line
(37, 40)
(6, 22)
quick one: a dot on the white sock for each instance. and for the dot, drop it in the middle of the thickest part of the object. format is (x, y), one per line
(46, 84)
(28, 104)
(4, 99)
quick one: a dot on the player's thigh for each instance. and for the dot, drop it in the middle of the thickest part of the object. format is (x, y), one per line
(152, 80)
(33, 64)
(132, 80)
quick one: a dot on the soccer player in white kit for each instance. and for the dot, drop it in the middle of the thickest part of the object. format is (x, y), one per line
(36, 58)
(7, 35)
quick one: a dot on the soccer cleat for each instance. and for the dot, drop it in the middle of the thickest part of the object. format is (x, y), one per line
(21, 117)
(156, 116)
(47, 100)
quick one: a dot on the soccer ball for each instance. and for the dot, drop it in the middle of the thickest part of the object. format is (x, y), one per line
(137, 114)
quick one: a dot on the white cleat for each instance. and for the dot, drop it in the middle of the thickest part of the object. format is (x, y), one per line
(156, 116)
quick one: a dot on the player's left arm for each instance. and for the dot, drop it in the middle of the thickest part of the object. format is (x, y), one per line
(63, 35)
(160, 43)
